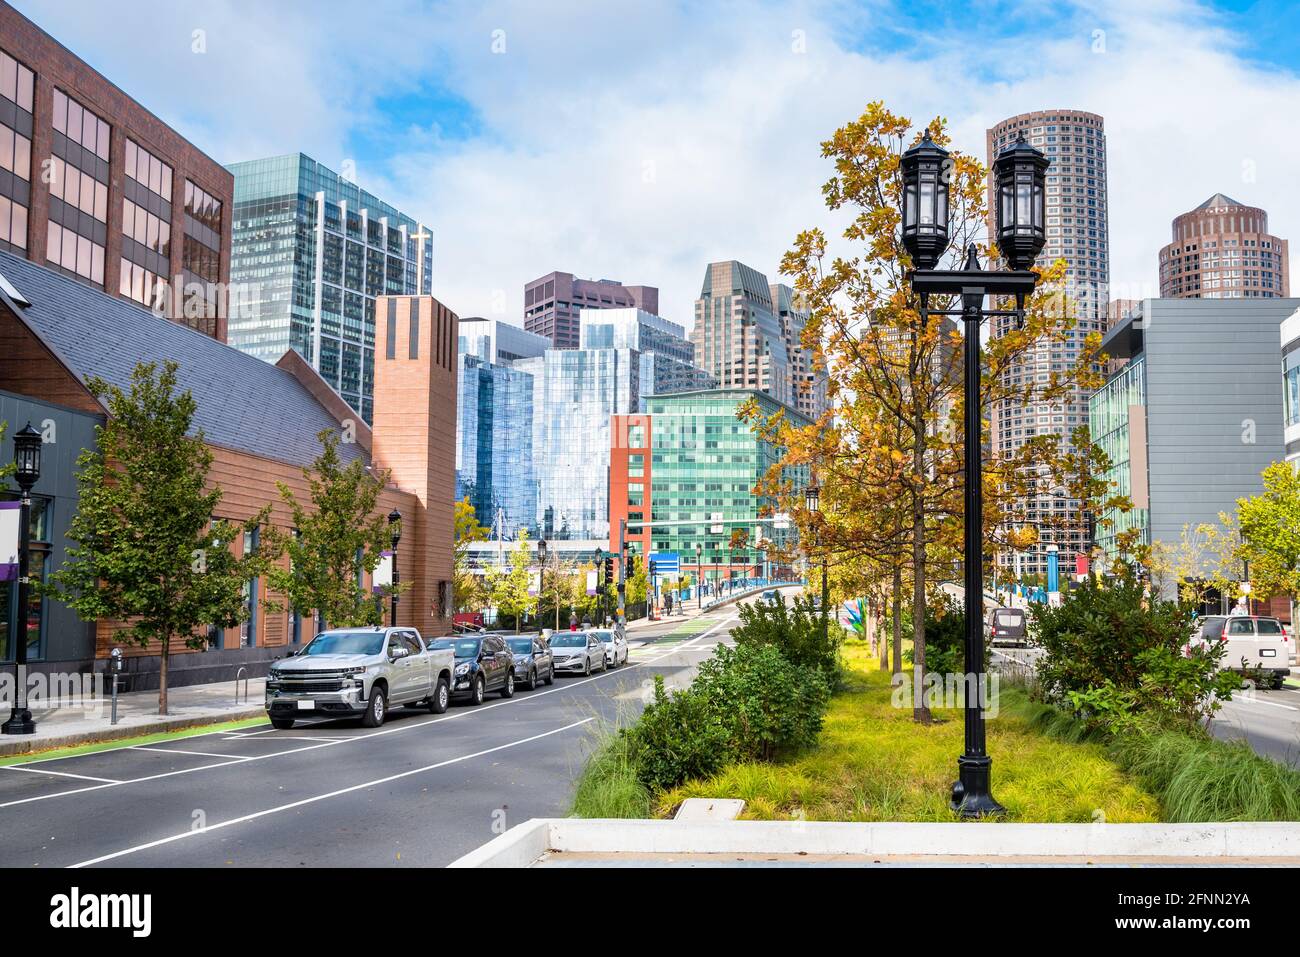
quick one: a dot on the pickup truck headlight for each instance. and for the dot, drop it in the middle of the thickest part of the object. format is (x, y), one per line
(348, 672)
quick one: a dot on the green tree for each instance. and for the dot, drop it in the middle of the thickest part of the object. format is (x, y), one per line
(468, 589)
(146, 550)
(508, 590)
(337, 534)
(1269, 524)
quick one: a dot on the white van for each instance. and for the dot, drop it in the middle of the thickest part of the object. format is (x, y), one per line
(1253, 645)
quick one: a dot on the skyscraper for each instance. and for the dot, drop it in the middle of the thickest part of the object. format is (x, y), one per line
(738, 333)
(1078, 232)
(96, 187)
(1222, 249)
(313, 251)
(807, 386)
(552, 303)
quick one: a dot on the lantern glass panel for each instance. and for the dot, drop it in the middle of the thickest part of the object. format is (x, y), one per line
(909, 205)
(927, 203)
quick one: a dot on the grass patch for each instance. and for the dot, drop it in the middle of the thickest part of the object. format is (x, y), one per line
(74, 750)
(873, 763)
(608, 786)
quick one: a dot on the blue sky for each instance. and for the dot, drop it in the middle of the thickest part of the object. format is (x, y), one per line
(641, 141)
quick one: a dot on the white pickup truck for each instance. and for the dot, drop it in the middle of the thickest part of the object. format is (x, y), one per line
(348, 672)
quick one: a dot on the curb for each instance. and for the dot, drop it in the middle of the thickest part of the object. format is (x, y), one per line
(10, 746)
(986, 842)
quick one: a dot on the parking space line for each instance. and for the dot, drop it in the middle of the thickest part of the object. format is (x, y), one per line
(197, 754)
(61, 774)
(322, 797)
(532, 696)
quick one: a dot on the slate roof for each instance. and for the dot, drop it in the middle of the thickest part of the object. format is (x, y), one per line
(243, 403)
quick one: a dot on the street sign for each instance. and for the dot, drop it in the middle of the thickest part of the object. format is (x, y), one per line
(666, 563)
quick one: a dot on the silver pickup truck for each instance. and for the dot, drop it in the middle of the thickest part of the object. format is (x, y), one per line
(346, 672)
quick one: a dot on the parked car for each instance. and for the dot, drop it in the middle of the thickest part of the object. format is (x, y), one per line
(615, 643)
(358, 671)
(483, 664)
(1007, 626)
(1254, 645)
(533, 660)
(577, 651)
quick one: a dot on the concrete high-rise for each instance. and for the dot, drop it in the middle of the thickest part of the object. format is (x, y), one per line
(1077, 232)
(1222, 249)
(807, 386)
(740, 335)
(553, 302)
(312, 252)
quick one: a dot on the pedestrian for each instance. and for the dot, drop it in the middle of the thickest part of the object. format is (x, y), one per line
(573, 622)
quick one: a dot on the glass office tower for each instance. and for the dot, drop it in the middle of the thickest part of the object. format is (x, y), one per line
(494, 444)
(310, 253)
(690, 460)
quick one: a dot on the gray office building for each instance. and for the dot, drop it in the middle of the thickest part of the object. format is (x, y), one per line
(1194, 415)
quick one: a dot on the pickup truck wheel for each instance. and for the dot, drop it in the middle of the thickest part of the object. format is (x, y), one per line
(282, 724)
(532, 680)
(479, 692)
(440, 698)
(376, 710)
(508, 689)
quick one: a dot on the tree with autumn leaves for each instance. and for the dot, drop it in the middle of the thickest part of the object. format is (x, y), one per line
(887, 451)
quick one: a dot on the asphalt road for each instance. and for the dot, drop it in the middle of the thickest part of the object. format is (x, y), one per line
(1269, 721)
(421, 790)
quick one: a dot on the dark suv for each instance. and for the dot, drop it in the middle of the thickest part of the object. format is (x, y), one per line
(483, 663)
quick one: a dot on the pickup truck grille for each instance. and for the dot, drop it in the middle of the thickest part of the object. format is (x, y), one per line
(311, 686)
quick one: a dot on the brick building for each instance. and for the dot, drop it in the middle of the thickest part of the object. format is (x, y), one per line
(95, 186)
(260, 421)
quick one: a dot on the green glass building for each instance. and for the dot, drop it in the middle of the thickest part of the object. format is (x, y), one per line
(310, 251)
(704, 464)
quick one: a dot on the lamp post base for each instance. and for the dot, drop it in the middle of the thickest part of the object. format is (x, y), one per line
(20, 722)
(971, 794)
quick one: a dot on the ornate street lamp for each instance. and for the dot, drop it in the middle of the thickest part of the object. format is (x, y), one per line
(541, 578)
(1019, 174)
(926, 169)
(394, 536)
(812, 502)
(1019, 214)
(27, 472)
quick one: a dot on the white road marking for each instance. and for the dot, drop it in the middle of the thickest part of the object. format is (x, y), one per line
(322, 797)
(325, 743)
(62, 774)
(1271, 704)
(197, 754)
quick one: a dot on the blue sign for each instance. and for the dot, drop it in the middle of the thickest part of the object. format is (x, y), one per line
(1053, 572)
(666, 563)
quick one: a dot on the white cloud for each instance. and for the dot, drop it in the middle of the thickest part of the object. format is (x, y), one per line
(640, 142)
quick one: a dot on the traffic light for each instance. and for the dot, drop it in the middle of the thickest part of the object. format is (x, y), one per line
(652, 568)
(629, 566)
(609, 569)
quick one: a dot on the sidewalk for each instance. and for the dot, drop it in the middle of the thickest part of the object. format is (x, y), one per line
(88, 722)
(691, 611)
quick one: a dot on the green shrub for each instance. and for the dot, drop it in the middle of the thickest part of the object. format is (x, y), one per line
(766, 704)
(945, 637)
(747, 703)
(677, 737)
(796, 630)
(1114, 655)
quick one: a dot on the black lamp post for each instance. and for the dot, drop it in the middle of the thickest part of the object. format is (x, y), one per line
(541, 578)
(1019, 174)
(27, 471)
(812, 502)
(600, 595)
(699, 576)
(394, 536)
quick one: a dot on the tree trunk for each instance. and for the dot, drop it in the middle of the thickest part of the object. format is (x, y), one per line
(898, 619)
(162, 675)
(878, 607)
